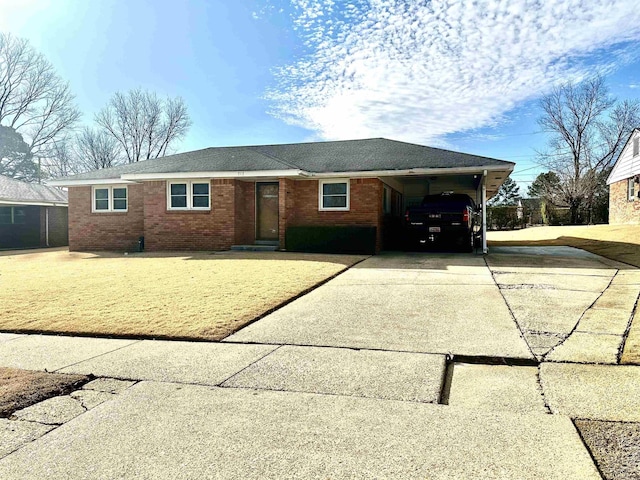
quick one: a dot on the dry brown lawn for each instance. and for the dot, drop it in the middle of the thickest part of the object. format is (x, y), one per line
(182, 295)
(617, 242)
(21, 388)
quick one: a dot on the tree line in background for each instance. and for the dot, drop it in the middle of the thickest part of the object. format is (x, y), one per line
(40, 136)
(587, 129)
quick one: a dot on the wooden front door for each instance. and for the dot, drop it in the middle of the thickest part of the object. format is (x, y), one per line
(267, 211)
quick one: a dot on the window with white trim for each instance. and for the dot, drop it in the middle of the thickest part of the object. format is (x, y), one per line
(189, 195)
(631, 189)
(110, 199)
(636, 146)
(334, 194)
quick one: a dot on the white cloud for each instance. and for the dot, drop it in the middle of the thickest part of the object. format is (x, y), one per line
(417, 70)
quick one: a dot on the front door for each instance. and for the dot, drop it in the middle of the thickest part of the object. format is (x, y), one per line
(267, 211)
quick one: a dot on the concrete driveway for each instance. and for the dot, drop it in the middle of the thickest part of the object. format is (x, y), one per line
(406, 366)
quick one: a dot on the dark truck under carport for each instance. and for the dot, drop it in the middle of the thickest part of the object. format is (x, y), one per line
(446, 220)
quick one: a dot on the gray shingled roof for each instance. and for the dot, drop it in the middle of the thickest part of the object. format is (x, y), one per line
(318, 157)
(16, 191)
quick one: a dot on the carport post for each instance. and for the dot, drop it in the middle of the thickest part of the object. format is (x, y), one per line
(484, 212)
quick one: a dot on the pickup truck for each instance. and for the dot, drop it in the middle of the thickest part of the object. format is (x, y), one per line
(448, 219)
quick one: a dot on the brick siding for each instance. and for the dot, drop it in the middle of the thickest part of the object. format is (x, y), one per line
(230, 221)
(621, 210)
(105, 230)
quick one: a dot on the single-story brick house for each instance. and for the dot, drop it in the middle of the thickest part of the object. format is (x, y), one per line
(216, 198)
(624, 183)
(32, 215)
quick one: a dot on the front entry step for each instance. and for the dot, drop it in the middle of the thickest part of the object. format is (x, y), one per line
(255, 248)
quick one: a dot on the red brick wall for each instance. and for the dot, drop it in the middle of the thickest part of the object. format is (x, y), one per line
(245, 216)
(104, 231)
(365, 207)
(189, 230)
(621, 210)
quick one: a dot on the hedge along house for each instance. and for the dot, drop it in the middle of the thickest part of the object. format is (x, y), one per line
(624, 183)
(341, 196)
(31, 215)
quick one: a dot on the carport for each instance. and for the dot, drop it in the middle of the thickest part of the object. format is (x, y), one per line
(479, 182)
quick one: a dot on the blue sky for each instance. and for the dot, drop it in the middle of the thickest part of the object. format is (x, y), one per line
(454, 74)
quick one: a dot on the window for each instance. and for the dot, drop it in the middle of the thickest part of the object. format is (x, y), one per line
(636, 146)
(110, 199)
(334, 195)
(189, 195)
(631, 189)
(12, 216)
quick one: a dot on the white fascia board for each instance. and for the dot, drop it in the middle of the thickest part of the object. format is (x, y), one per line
(35, 204)
(417, 172)
(80, 183)
(192, 175)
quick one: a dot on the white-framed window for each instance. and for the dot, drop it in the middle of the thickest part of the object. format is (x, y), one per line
(636, 146)
(110, 198)
(189, 195)
(631, 189)
(333, 194)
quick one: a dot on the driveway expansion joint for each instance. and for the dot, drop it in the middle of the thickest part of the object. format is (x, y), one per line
(627, 330)
(588, 449)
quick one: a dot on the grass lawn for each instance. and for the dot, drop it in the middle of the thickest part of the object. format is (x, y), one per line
(21, 388)
(182, 295)
(617, 242)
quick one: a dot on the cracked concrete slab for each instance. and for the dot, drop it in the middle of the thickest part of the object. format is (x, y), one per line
(14, 434)
(551, 281)
(615, 446)
(543, 340)
(604, 320)
(594, 392)
(583, 347)
(631, 352)
(554, 311)
(496, 388)
(91, 398)
(627, 277)
(168, 361)
(619, 297)
(5, 337)
(109, 385)
(52, 411)
(414, 377)
(510, 260)
(50, 352)
(412, 318)
(266, 434)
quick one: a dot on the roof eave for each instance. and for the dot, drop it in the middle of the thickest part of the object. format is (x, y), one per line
(419, 171)
(85, 182)
(35, 203)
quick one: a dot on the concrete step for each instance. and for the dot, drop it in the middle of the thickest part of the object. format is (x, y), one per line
(255, 248)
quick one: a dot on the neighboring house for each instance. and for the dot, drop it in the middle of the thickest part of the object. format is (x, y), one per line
(32, 215)
(624, 183)
(331, 195)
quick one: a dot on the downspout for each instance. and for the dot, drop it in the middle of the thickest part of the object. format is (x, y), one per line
(46, 225)
(485, 250)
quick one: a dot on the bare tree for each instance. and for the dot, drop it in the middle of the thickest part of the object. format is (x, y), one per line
(144, 125)
(34, 101)
(587, 130)
(97, 149)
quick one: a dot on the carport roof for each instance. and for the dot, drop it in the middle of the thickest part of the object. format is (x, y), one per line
(296, 159)
(16, 192)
